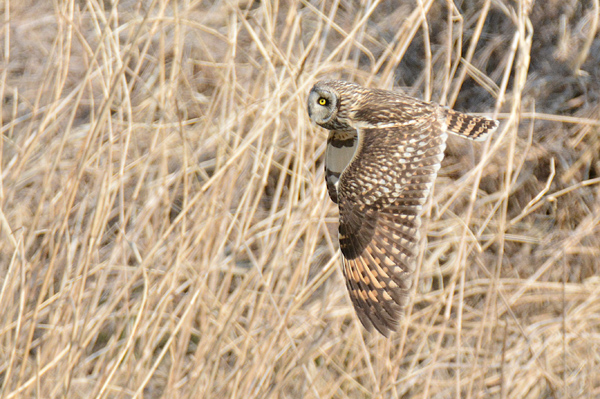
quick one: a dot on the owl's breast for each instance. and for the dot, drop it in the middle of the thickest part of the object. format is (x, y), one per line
(341, 147)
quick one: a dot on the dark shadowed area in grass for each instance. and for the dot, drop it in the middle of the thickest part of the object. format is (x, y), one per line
(165, 230)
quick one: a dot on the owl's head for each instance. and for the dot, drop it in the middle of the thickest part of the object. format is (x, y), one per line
(332, 102)
(323, 103)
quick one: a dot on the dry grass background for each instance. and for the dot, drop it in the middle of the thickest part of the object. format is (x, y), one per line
(165, 228)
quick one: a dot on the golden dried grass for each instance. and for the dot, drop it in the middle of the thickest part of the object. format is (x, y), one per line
(164, 221)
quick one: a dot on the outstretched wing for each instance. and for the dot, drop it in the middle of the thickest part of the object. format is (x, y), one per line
(381, 194)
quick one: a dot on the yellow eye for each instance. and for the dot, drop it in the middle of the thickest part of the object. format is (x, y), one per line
(322, 101)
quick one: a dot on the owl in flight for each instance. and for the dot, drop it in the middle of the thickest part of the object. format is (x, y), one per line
(383, 153)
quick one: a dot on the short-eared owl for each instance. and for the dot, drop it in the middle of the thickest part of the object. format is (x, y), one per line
(383, 154)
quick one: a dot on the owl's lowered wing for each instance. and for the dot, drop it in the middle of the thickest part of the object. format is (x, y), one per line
(381, 194)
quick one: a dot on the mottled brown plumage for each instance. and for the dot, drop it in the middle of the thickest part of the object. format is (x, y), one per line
(383, 153)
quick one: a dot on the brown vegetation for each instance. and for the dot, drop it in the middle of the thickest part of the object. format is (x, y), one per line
(165, 229)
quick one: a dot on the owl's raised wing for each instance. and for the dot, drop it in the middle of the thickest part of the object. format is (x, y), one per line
(381, 194)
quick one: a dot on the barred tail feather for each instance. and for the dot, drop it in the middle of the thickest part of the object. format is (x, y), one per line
(472, 127)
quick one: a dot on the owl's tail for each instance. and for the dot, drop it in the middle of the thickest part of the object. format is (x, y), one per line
(469, 126)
